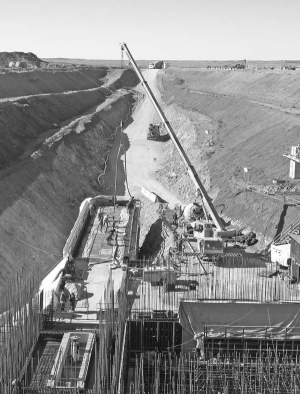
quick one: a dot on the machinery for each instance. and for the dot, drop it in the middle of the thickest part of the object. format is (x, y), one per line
(156, 65)
(209, 208)
(153, 132)
(241, 65)
(210, 214)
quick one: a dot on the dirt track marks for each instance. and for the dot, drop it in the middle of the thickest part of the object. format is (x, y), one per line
(287, 110)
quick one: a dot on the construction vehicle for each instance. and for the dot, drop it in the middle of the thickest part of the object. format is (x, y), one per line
(153, 132)
(157, 65)
(241, 65)
(210, 213)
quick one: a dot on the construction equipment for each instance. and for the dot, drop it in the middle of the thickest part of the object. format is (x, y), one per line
(157, 65)
(208, 244)
(239, 66)
(208, 241)
(153, 132)
(209, 209)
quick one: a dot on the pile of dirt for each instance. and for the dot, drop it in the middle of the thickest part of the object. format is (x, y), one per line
(28, 57)
(228, 121)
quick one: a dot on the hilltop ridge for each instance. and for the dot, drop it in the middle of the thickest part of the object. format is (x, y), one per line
(28, 57)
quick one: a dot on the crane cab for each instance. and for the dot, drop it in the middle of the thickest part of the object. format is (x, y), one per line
(206, 236)
(202, 229)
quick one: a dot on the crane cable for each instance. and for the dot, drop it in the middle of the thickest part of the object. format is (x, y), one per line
(95, 83)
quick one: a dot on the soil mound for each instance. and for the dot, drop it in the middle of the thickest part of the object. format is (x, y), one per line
(37, 82)
(28, 57)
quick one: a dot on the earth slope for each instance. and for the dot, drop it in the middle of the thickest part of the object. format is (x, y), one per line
(249, 116)
(57, 130)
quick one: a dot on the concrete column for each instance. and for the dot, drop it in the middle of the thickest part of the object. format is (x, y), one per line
(294, 165)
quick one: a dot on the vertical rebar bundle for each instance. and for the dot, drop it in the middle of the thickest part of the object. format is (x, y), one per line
(165, 373)
(110, 354)
(19, 326)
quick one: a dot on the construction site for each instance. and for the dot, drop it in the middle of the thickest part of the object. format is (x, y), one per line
(163, 255)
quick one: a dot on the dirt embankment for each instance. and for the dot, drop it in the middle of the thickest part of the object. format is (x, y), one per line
(29, 82)
(25, 122)
(41, 193)
(228, 121)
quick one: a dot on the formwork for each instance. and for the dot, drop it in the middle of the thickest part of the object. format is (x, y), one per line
(240, 356)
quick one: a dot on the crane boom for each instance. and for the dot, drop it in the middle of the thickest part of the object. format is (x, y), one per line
(191, 170)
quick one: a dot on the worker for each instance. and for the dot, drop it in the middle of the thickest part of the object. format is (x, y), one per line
(62, 301)
(110, 236)
(100, 218)
(179, 244)
(130, 204)
(200, 344)
(72, 301)
(16, 386)
(175, 218)
(105, 222)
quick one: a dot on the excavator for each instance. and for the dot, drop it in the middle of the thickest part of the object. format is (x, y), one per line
(208, 227)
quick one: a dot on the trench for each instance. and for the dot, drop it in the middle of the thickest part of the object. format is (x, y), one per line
(153, 241)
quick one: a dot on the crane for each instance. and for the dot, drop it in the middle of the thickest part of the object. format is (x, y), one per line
(191, 170)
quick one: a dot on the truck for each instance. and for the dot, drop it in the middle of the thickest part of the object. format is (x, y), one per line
(157, 65)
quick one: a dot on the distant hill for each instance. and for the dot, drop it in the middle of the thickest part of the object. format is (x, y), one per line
(29, 57)
(88, 62)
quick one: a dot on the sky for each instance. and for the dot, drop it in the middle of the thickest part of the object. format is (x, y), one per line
(153, 29)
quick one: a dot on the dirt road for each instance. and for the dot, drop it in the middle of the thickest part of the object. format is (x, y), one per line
(144, 157)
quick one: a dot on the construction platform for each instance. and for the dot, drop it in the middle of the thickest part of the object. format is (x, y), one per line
(99, 256)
